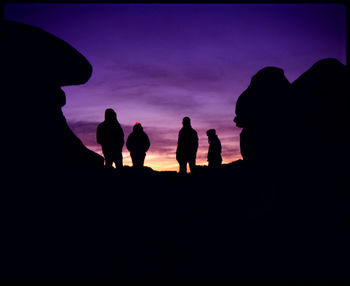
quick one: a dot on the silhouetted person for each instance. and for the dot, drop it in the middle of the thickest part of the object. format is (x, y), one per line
(187, 146)
(138, 144)
(214, 152)
(111, 137)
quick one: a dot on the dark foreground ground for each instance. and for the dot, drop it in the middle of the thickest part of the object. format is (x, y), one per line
(141, 224)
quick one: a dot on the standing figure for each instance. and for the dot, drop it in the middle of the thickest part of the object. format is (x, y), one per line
(138, 144)
(214, 152)
(111, 137)
(187, 146)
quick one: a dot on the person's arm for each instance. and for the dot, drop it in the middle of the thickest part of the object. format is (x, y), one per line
(148, 143)
(208, 155)
(178, 147)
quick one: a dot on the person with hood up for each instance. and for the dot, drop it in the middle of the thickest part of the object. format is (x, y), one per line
(111, 137)
(214, 152)
(187, 146)
(138, 144)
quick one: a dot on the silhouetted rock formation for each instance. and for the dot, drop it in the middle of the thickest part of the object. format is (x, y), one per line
(48, 173)
(263, 112)
(295, 143)
(307, 120)
(321, 169)
(36, 64)
(322, 104)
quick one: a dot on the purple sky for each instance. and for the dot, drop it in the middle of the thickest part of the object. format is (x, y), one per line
(156, 63)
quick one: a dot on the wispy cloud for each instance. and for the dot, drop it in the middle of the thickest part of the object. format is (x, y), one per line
(158, 63)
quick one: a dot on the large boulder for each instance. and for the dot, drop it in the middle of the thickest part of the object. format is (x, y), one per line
(49, 203)
(321, 99)
(262, 110)
(36, 64)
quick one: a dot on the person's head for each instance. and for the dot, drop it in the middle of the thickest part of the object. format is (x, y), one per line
(110, 115)
(211, 132)
(186, 122)
(137, 127)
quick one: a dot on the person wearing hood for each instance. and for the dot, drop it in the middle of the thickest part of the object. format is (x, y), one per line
(187, 146)
(214, 152)
(138, 144)
(111, 137)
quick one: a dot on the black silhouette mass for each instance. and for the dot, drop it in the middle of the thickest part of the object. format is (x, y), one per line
(281, 212)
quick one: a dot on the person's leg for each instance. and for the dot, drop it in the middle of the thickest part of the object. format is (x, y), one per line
(133, 159)
(192, 163)
(183, 167)
(138, 161)
(119, 161)
(108, 156)
(215, 163)
(108, 161)
(142, 159)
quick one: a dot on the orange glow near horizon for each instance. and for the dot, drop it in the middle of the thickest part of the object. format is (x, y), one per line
(167, 162)
(156, 64)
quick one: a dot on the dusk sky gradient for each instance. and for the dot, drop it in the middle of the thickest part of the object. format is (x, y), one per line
(156, 63)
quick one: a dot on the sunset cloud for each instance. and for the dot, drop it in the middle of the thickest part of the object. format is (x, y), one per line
(157, 63)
